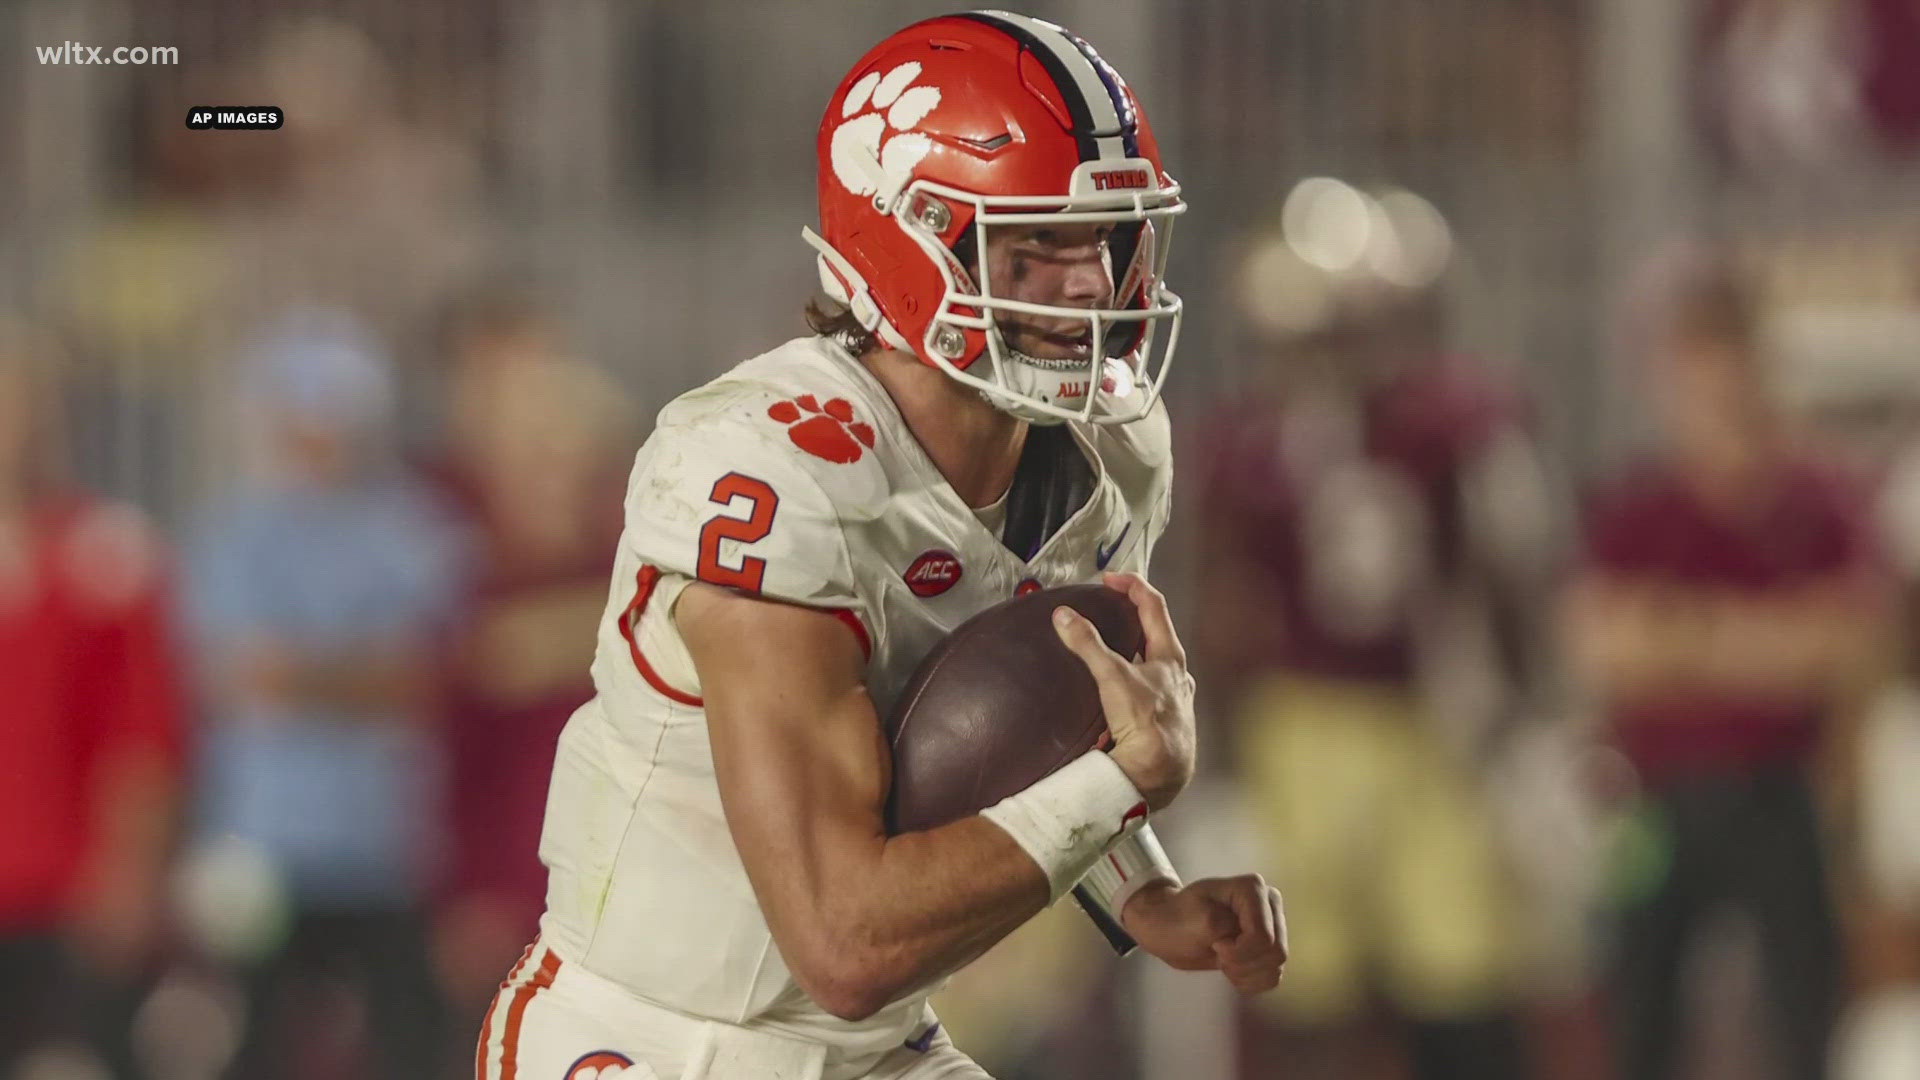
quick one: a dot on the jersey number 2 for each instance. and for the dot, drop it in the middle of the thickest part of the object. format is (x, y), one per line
(751, 529)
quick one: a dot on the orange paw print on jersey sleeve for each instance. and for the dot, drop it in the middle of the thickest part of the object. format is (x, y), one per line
(826, 431)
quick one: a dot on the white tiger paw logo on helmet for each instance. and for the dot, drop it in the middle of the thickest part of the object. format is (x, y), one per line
(880, 143)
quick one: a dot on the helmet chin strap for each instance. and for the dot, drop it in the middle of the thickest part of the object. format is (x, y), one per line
(1024, 378)
(1047, 380)
(1056, 382)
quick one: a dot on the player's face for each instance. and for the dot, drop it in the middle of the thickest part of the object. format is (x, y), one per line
(1059, 265)
(1707, 390)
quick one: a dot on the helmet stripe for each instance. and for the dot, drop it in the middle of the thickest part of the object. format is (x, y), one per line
(1116, 93)
(1098, 124)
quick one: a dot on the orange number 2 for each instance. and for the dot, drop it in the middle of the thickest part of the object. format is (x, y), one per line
(751, 529)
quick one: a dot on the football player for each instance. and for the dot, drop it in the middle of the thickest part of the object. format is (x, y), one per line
(1377, 545)
(976, 416)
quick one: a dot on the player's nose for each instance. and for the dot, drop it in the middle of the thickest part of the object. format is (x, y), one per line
(1088, 284)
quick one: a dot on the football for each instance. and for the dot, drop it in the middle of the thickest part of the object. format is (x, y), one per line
(1000, 703)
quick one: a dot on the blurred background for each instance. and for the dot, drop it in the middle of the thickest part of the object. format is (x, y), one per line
(1549, 410)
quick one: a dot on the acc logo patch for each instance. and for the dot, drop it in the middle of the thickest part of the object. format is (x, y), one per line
(826, 431)
(933, 573)
(602, 1065)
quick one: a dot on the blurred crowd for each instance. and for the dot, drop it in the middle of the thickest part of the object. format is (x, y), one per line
(1559, 779)
(277, 782)
(1568, 768)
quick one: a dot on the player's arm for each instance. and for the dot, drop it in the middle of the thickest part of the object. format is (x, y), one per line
(803, 768)
(1134, 862)
(862, 918)
(803, 771)
(1234, 924)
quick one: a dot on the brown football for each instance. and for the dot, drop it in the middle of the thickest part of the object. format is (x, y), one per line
(999, 704)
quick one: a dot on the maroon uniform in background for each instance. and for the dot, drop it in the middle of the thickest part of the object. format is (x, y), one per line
(1854, 63)
(1727, 769)
(1336, 533)
(513, 677)
(1292, 489)
(534, 458)
(1651, 527)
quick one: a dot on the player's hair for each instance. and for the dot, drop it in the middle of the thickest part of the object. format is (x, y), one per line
(833, 320)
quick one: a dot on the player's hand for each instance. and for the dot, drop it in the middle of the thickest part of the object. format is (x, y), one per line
(1148, 702)
(1232, 925)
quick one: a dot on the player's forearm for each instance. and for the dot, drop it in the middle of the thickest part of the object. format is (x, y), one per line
(922, 905)
(860, 917)
(951, 892)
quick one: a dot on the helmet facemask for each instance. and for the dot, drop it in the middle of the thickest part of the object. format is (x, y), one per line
(965, 338)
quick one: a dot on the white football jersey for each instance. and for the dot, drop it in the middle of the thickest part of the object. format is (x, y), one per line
(794, 477)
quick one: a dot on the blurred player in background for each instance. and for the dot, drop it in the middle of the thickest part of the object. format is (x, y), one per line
(91, 736)
(1375, 525)
(1731, 610)
(537, 442)
(976, 418)
(321, 595)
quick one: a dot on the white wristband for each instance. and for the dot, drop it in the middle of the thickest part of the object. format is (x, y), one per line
(1134, 861)
(1066, 821)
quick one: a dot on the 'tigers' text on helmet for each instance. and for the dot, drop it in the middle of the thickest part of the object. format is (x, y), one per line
(1122, 180)
(235, 117)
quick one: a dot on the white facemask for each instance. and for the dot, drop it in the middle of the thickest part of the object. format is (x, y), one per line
(1064, 383)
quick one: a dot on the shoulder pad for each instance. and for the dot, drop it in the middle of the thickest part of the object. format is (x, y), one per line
(750, 488)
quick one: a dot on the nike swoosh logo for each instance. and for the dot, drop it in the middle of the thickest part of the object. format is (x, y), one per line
(1104, 555)
(922, 1043)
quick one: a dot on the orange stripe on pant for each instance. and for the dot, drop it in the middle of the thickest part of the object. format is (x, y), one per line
(483, 1051)
(510, 1043)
